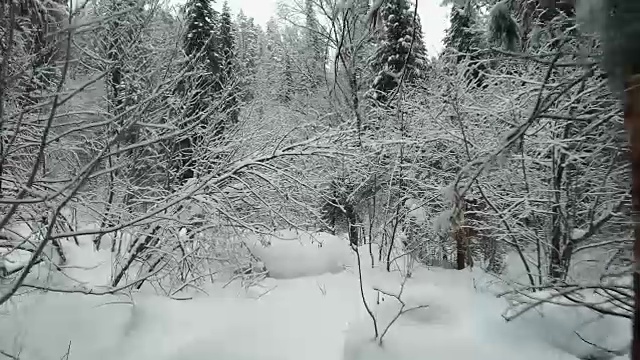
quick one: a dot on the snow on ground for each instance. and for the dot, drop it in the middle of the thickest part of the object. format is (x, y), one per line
(311, 308)
(13, 259)
(85, 266)
(291, 253)
(298, 319)
(42, 327)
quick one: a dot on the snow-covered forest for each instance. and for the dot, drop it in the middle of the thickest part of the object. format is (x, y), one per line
(178, 181)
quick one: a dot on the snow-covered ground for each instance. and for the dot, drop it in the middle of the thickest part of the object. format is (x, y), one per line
(309, 308)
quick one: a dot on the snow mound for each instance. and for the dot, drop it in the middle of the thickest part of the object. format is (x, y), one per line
(291, 254)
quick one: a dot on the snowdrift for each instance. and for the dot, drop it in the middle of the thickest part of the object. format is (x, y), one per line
(290, 254)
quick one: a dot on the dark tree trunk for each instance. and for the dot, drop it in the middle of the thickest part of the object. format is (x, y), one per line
(461, 249)
(352, 220)
(632, 123)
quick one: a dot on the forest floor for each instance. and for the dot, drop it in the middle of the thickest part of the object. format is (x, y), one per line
(310, 308)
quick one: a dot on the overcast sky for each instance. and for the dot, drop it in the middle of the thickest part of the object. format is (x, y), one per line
(434, 18)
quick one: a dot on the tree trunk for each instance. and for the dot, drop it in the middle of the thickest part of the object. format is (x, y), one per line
(352, 221)
(461, 248)
(632, 123)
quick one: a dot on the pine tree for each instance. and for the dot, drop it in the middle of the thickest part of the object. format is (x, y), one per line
(200, 38)
(226, 48)
(465, 37)
(400, 43)
(286, 91)
(227, 54)
(199, 89)
(248, 52)
(201, 44)
(462, 35)
(272, 62)
(123, 46)
(314, 48)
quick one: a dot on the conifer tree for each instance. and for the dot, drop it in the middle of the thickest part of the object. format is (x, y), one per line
(200, 37)
(227, 49)
(286, 91)
(248, 52)
(228, 65)
(199, 89)
(400, 44)
(272, 62)
(464, 36)
(314, 48)
(120, 46)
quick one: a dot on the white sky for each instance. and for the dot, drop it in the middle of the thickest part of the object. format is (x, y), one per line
(435, 19)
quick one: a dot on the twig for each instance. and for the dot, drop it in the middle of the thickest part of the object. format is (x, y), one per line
(402, 310)
(364, 299)
(6, 354)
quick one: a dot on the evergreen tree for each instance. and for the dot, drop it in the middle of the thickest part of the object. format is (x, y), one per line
(246, 43)
(120, 38)
(464, 36)
(200, 37)
(226, 48)
(271, 67)
(400, 43)
(286, 91)
(199, 89)
(314, 48)
(227, 54)
(248, 52)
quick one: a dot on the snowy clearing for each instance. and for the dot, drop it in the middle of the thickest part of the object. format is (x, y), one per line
(311, 311)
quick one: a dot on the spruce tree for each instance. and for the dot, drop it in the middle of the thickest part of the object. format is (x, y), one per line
(247, 54)
(198, 89)
(120, 46)
(226, 48)
(272, 62)
(314, 48)
(200, 38)
(400, 43)
(465, 38)
(286, 91)
(461, 34)
(228, 66)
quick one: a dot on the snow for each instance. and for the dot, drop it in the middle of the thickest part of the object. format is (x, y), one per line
(310, 308)
(578, 233)
(416, 212)
(299, 319)
(458, 322)
(13, 259)
(42, 326)
(571, 328)
(87, 267)
(292, 253)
